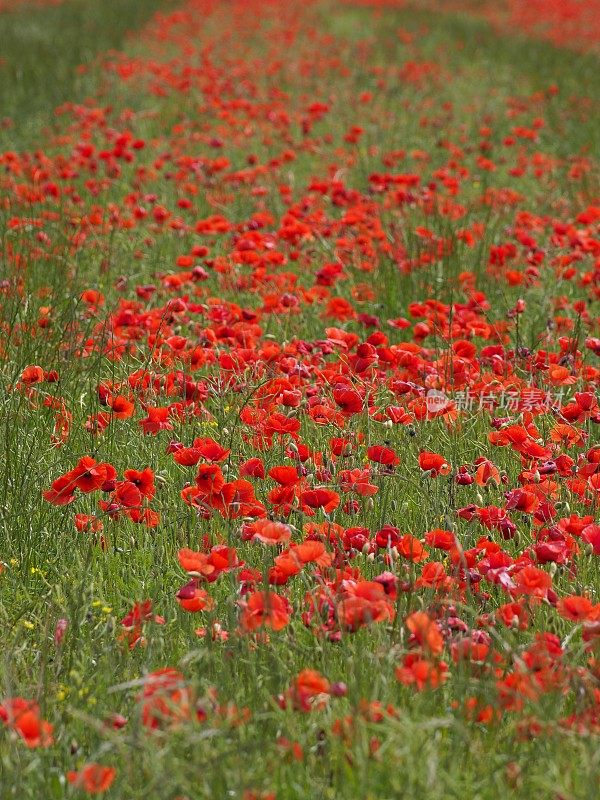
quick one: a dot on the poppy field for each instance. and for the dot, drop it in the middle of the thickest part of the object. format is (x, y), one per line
(300, 411)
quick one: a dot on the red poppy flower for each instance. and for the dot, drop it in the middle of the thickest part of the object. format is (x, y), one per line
(574, 607)
(349, 400)
(309, 691)
(253, 468)
(532, 581)
(285, 476)
(61, 492)
(191, 598)
(422, 673)
(268, 532)
(236, 499)
(194, 563)
(121, 407)
(158, 419)
(362, 603)
(166, 701)
(23, 717)
(434, 464)
(310, 551)
(211, 450)
(320, 497)
(32, 374)
(264, 609)
(383, 455)
(143, 480)
(591, 535)
(89, 476)
(209, 479)
(444, 540)
(426, 632)
(127, 495)
(93, 778)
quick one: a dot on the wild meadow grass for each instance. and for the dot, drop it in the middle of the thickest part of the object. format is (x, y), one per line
(274, 229)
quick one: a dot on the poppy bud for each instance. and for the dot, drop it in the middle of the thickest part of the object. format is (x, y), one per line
(508, 529)
(513, 775)
(60, 630)
(199, 274)
(188, 592)
(116, 721)
(338, 689)
(464, 479)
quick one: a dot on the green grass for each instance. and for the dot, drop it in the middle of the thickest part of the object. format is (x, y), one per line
(48, 57)
(51, 572)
